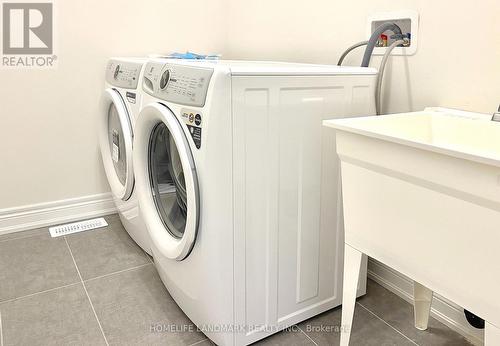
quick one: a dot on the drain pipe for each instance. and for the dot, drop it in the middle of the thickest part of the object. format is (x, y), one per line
(348, 50)
(380, 77)
(474, 320)
(374, 37)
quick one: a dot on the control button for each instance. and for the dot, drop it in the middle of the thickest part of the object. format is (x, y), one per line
(165, 77)
(197, 119)
(191, 117)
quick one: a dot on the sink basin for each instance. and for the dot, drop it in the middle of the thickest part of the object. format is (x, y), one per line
(457, 133)
(421, 194)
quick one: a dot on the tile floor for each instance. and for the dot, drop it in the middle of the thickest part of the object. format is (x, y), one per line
(99, 288)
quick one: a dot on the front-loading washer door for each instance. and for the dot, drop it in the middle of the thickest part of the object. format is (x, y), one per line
(115, 135)
(167, 184)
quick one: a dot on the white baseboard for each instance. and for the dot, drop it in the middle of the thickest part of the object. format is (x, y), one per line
(443, 310)
(51, 213)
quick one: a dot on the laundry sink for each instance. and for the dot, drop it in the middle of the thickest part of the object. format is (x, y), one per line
(457, 133)
(421, 193)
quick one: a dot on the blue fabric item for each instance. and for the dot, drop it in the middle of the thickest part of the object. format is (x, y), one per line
(193, 56)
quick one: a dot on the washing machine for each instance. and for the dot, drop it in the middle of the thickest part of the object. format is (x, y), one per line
(238, 184)
(120, 107)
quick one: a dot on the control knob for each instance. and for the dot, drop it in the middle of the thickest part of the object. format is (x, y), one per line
(164, 79)
(117, 72)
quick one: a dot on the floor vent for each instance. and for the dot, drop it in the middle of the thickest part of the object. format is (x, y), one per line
(76, 227)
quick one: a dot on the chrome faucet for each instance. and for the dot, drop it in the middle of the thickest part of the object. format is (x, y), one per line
(496, 115)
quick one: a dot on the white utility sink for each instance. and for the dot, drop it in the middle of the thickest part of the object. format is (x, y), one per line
(456, 133)
(421, 193)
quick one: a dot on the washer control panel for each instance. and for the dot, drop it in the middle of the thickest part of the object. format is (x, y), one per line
(186, 85)
(123, 74)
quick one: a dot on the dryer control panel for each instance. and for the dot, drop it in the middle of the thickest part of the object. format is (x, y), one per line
(123, 74)
(185, 85)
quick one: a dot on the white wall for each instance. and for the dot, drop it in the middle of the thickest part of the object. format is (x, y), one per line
(48, 140)
(48, 136)
(457, 63)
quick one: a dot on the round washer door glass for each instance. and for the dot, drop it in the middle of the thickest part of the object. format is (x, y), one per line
(168, 185)
(115, 137)
(117, 148)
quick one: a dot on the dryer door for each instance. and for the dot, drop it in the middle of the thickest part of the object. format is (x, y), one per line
(167, 184)
(115, 136)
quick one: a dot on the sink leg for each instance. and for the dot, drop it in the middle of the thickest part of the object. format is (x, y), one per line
(422, 300)
(352, 266)
(491, 335)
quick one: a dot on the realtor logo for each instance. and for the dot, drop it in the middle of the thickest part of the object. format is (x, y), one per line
(28, 34)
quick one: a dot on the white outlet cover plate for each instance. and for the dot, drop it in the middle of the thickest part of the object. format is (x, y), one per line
(395, 15)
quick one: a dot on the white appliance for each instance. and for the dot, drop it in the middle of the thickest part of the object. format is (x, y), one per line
(120, 107)
(237, 181)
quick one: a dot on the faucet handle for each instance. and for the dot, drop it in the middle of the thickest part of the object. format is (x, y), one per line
(496, 115)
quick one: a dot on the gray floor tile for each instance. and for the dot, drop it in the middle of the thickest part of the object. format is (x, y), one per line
(59, 317)
(34, 264)
(135, 309)
(131, 302)
(105, 250)
(25, 234)
(206, 342)
(367, 330)
(292, 336)
(399, 314)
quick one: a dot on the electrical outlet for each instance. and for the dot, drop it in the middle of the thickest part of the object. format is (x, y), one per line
(408, 22)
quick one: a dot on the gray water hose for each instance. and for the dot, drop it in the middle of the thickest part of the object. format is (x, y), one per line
(348, 50)
(380, 76)
(374, 37)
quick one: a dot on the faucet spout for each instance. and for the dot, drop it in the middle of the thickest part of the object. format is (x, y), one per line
(496, 115)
